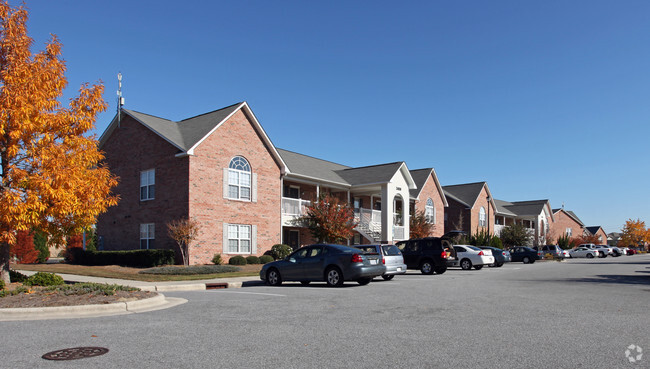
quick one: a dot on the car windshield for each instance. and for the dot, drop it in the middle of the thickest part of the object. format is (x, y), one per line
(390, 250)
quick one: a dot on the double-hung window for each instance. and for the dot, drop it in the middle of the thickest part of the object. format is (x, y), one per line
(482, 221)
(239, 239)
(147, 184)
(430, 212)
(147, 235)
(239, 179)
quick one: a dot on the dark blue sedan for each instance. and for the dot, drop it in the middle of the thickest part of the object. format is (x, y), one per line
(523, 254)
(333, 264)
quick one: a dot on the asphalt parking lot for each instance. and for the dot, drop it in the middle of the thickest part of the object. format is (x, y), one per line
(575, 314)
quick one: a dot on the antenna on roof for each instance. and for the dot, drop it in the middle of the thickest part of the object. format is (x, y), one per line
(120, 99)
(562, 204)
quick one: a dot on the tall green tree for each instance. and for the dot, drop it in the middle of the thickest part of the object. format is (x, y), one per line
(515, 235)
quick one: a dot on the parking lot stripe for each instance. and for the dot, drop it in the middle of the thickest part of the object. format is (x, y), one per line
(251, 293)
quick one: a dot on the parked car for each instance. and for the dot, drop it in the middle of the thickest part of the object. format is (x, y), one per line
(390, 256)
(471, 256)
(602, 251)
(333, 264)
(583, 252)
(554, 250)
(429, 254)
(566, 254)
(523, 254)
(500, 256)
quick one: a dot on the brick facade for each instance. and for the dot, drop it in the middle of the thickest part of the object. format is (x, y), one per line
(563, 222)
(130, 149)
(430, 191)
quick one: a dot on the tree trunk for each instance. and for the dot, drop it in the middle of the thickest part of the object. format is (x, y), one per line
(5, 257)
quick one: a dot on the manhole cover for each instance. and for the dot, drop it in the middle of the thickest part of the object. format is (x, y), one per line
(75, 353)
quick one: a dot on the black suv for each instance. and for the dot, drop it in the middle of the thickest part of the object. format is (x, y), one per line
(429, 254)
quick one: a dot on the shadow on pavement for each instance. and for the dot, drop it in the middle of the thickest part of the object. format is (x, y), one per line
(614, 279)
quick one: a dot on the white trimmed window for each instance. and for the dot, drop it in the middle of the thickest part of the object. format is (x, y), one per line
(147, 184)
(147, 235)
(430, 212)
(482, 221)
(239, 181)
(240, 239)
(569, 231)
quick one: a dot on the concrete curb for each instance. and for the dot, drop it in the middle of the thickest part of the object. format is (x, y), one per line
(81, 311)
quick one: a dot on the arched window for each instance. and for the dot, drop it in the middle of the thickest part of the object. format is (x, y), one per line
(430, 211)
(239, 179)
(482, 222)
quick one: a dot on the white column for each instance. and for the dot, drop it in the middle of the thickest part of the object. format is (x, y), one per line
(387, 194)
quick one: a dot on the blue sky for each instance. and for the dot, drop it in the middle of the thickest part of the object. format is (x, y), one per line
(541, 99)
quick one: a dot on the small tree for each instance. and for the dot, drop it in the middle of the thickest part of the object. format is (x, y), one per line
(481, 238)
(419, 226)
(634, 233)
(24, 250)
(184, 232)
(329, 220)
(514, 235)
(40, 244)
(563, 241)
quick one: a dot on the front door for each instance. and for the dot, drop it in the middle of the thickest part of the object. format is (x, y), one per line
(291, 238)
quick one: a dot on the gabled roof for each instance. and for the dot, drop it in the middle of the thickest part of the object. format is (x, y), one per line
(593, 229)
(522, 208)
(420, 177)
(571, 215)
(187, 134)
(467, 193)
(374, 174)
(312, 168)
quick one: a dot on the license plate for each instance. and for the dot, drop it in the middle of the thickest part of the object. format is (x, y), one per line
(373, 262)
(399, 269)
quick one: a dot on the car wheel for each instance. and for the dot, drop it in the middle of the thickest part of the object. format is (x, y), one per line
(466, 264)
(478, 267)
(526, 260)
(499, 265)
(334, 277)
(273, 277)
(440, 270)
(426, 267)
(364, 281)
(388, 277)
(590, 256)
(304, 283)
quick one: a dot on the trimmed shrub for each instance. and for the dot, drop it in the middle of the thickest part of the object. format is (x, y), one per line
(280, 251)
(91, 288)
(44, 279)
(192, 270)
(496, 242)
(216, 259)
(16, 277)
(131, 258)
(266, 259)
(252, 260)
(237, 260)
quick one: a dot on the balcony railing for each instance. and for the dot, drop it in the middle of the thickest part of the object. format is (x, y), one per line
(296, 207)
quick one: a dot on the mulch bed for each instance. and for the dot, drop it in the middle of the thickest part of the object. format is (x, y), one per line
(41, 298)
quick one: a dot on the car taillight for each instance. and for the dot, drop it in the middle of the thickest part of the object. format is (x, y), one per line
(480, 253)
(383, 261)
(503, 253)
(356, 258)
(443, 254)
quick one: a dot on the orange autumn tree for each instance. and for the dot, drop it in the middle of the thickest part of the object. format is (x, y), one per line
(634, 233)
(23, 249)
(50, 177)
(329, 220)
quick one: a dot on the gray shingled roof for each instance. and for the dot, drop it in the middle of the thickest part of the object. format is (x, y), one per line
(188, 132)
(466, 194)
(374, 174)
(525, 208)
(312, 167)
(502, 208)
(593, 229)
(420, 177)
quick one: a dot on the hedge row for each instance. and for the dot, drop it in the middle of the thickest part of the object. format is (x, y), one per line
(132, 258)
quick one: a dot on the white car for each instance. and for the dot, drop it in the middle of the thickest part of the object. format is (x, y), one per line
(583, 252)
(566, 254)
(471, 256)
(602, 251)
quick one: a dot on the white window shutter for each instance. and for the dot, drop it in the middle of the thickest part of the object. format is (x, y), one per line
(254, 188)
(225, 183)
(254, 240)
(224, 248)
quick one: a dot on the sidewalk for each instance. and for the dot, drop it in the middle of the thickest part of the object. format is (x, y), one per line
(128, 307)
